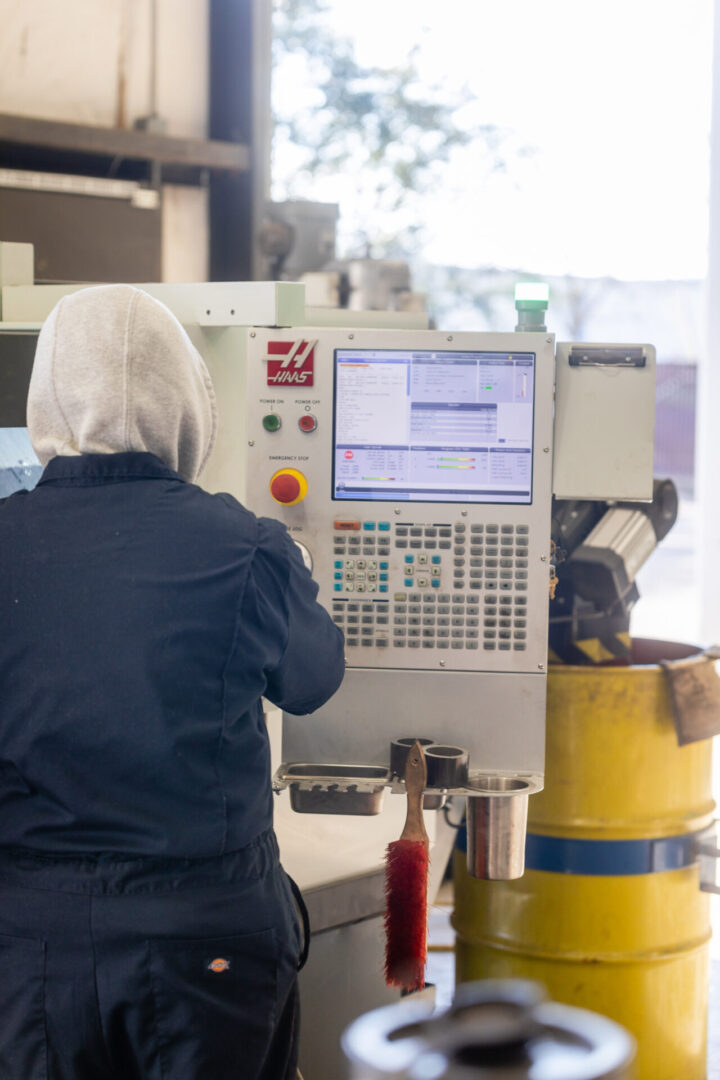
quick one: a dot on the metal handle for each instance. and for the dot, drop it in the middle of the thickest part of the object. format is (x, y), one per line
(605, 356)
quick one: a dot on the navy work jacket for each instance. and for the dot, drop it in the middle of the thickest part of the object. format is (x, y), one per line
(141, 621)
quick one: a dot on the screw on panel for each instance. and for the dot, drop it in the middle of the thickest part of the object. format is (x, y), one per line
(207, 311)
(463, 513)
(546, 449)
(351, 337)
(396, 510)
(251, 442)
(549, 340)
(232, 310)
(449, 337)
(543, 558)
(252, 333)
(442, 663)
(541, 667)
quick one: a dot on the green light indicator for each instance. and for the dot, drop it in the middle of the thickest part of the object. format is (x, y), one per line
(534, 292)
(271, 422)
(531, 302)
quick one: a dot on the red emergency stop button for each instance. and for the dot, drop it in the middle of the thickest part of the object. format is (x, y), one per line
(308, 422)
(288, 486)
(285, 488)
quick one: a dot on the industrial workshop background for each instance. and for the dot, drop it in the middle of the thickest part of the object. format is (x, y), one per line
(391, 158)
(136, 138)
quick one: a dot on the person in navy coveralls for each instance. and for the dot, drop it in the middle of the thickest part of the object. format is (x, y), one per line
(147, 928)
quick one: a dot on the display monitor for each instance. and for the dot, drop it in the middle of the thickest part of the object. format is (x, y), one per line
(433, 425)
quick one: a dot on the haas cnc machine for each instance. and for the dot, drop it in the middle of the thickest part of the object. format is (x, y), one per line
(415, 469)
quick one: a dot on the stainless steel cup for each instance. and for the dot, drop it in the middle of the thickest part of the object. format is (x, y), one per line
(496, 827)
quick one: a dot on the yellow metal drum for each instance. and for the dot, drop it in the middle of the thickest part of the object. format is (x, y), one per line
(611, 917)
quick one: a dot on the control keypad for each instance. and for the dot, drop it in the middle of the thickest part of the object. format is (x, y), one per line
(462, 585)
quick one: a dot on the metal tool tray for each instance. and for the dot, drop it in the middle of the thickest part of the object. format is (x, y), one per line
(334, 789)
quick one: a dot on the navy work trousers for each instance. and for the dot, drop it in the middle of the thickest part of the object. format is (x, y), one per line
(148, 969)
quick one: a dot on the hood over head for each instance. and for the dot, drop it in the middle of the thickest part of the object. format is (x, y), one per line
(115, 371)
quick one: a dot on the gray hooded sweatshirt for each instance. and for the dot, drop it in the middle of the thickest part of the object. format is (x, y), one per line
(115, 372)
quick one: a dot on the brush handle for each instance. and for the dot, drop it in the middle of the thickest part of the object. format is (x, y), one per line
(415, 784)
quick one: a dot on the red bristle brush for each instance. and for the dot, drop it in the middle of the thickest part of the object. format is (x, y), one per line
(406, 871)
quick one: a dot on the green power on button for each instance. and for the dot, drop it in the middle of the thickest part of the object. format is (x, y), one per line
(271, 422)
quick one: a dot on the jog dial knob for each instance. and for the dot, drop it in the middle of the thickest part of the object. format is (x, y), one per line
(288, 486)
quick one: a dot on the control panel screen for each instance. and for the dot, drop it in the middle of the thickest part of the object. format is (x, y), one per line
(433, 426)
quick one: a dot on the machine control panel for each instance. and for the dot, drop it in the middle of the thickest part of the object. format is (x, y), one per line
(415, 467)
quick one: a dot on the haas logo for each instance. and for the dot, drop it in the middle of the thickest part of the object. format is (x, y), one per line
(290, 363)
